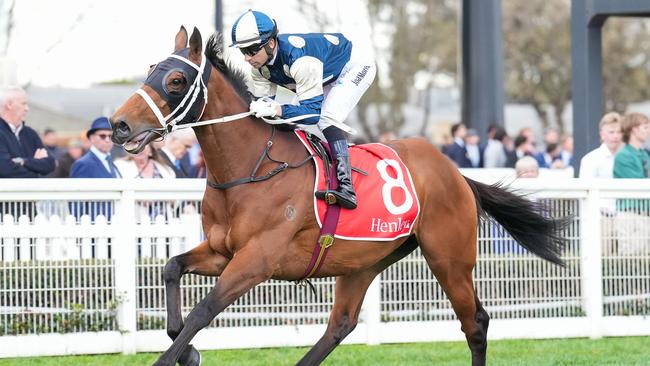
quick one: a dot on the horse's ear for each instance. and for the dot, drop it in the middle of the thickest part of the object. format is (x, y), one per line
(180, 42)
(196, 46)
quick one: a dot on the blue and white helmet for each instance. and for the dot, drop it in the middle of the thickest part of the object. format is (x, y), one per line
(253, 27)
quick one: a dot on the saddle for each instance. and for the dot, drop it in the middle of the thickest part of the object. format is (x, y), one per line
(388, 203)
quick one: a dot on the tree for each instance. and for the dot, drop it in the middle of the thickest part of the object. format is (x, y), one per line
(537, 49)
(537, 53)
(423, 40)
(626, 62)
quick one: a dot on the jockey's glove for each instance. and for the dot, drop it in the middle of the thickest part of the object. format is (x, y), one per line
(264, 107)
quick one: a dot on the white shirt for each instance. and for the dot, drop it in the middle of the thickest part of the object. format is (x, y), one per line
(169, 155)
(474, 155)
(14, 129)
(598, 163)
(128, 169)
(494, 155)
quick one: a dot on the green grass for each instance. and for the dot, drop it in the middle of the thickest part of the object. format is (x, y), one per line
(606, 351)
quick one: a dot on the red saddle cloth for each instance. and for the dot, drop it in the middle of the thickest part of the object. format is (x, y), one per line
(387, 205)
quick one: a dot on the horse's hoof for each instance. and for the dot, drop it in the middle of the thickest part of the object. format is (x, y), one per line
(191, 357)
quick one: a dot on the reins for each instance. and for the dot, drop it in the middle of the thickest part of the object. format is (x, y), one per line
(283, 165)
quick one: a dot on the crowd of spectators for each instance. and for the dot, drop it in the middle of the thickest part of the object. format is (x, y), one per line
(501, 151)
(25, 154)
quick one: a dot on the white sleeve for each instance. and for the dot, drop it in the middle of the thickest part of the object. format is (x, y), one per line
(490, 156)
(262, 87)
(587, 167)
(307, 71)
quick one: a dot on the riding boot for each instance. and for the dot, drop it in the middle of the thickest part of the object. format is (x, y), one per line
(344, 195)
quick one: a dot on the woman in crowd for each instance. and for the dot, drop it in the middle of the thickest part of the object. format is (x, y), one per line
(145, 164)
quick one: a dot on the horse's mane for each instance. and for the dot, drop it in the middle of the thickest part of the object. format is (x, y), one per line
(214, 51)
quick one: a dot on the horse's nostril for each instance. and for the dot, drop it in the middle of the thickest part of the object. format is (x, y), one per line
(123, 128)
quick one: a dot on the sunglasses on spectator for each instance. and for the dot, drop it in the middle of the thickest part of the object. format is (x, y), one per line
(105, 136)
(252, 50)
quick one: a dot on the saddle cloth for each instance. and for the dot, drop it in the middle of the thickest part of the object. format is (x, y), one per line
(387, 202)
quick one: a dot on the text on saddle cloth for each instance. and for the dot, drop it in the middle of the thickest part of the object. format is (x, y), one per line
(388, 203)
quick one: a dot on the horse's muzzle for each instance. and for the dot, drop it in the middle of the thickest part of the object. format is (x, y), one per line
(121, 132)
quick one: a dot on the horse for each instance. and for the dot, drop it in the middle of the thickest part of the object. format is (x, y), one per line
(266, 229)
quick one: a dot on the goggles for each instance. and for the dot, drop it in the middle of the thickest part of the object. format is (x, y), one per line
(253, 49)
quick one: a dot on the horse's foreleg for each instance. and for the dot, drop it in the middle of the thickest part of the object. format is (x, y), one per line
(200, 260)
(247, 269)
(349, 295)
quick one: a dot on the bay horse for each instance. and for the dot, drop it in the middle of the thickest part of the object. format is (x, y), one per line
(267, 229)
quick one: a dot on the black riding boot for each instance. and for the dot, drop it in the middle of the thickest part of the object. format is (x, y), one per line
(344, 195)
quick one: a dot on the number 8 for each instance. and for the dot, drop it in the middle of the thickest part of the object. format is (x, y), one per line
(382, 167)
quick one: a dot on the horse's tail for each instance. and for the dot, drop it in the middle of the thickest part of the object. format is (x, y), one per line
(523, 219)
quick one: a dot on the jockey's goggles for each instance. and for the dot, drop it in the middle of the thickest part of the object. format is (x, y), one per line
(253, 49)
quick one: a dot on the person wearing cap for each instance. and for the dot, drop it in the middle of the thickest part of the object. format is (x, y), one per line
(97, 162)
(323, 69)
(22, 153)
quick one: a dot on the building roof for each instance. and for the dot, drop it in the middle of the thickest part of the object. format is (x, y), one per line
(71, 110)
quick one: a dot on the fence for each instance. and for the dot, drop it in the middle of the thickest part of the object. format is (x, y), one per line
(82, 262)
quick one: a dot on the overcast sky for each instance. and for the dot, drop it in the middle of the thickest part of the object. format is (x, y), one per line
(79, 42)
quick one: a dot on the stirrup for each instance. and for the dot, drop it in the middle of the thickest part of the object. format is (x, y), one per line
(332, 197)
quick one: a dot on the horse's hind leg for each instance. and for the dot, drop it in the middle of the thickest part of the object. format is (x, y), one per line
(451, 256)
(200, 260)
(350, 291)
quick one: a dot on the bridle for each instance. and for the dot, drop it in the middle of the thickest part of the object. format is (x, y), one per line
(189, 104)
(188, 107)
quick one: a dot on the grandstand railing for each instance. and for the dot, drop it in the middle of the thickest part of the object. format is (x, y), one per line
(81, 272)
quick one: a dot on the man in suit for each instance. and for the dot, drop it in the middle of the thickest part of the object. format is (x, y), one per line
(97, 162)
(22, 154)
(456, 151)
(174, 152)
(474, 148)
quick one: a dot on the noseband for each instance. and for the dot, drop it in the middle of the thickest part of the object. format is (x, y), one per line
(187, 106)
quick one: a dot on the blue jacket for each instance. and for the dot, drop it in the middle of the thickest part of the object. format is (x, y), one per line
(458, 154)
(11, 147)
(89, 166)
(303, 63)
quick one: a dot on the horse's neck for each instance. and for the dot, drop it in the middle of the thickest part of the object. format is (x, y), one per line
(230, 149)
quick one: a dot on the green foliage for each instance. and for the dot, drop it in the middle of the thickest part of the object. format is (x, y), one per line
(423, 39)
(54, 296)
(75, 319)
(537, 51)
(150, 322)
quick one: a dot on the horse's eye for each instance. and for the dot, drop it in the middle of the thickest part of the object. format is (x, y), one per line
(176, 85)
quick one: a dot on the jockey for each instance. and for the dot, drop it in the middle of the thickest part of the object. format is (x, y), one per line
(327, 76)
